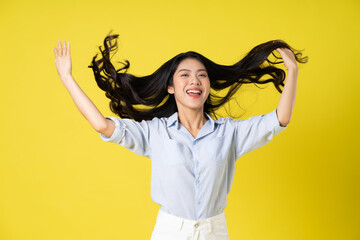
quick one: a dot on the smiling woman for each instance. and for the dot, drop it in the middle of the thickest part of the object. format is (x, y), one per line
(192, 155)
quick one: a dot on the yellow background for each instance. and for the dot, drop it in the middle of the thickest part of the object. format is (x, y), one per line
(59, 180)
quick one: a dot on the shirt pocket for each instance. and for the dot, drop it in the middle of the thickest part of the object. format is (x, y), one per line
(174, 153)
(215, 150)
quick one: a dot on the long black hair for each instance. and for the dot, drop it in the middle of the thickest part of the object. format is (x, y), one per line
(127, 91)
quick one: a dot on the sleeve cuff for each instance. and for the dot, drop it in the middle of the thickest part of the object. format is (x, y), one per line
(116, 132)
(274, 124)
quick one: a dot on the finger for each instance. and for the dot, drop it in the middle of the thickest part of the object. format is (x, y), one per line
(68, 48)
(64, 49)
(59, 46)
(55, 51)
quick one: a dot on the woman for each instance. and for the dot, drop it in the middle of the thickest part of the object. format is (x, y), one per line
(192, 155)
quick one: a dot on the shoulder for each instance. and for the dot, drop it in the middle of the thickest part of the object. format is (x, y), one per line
(226, 121)
(155, 123)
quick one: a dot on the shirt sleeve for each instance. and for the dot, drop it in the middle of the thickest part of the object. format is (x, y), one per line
(130, 134)
(256, 132)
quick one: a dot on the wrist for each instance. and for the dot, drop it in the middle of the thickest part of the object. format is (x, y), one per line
(293, 69)
(66, 78)
(67, 81)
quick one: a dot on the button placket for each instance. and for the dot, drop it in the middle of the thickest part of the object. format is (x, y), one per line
(196, 171)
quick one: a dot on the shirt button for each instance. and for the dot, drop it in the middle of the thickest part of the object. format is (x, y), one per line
(197, 162)
(196, 225)
(197, 181)
(198, 202)
(194, 143)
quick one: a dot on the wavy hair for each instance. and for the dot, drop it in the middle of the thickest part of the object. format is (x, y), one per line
(126, 91)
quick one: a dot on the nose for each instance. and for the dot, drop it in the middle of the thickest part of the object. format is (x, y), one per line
(195, 81)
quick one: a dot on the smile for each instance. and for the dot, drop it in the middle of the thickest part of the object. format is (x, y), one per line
(194, 93)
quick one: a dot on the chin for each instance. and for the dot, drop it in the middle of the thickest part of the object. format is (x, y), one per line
(195, 107)
(190, 104)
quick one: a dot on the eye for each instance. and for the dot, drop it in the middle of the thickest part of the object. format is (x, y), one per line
(203, 75)
(184, 75)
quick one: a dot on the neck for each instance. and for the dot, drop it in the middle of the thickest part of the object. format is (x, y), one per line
(192, 119)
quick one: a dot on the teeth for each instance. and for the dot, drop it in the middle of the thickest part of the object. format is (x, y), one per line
(193, 91)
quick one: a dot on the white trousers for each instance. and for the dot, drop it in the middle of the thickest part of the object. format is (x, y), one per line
(170, 227)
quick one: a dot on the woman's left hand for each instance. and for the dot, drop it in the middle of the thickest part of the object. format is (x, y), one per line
(288, 57)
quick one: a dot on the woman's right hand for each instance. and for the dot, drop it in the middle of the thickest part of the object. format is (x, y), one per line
(63, 60)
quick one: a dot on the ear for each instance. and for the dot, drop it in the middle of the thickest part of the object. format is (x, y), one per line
(170, 89)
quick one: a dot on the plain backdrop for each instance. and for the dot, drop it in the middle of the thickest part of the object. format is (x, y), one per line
(59, 180)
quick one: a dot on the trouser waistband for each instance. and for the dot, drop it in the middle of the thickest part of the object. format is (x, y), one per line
(188, 223)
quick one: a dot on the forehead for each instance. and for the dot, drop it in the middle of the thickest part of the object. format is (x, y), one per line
(190, 64)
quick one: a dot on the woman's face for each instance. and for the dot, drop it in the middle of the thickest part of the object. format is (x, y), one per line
(190, 75)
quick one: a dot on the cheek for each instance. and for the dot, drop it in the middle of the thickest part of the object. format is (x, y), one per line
(207, 85)
(179, 86)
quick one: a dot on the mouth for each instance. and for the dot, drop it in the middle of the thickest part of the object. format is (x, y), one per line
(194, 93)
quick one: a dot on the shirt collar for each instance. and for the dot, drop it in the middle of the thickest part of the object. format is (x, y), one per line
(173, 120)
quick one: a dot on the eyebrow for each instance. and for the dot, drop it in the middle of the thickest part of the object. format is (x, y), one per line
(190, 70)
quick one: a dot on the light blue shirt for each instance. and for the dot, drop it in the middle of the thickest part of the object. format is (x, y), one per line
(191, 177)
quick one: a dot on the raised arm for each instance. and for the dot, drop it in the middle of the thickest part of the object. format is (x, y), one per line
(287, 98)
(81, 100)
